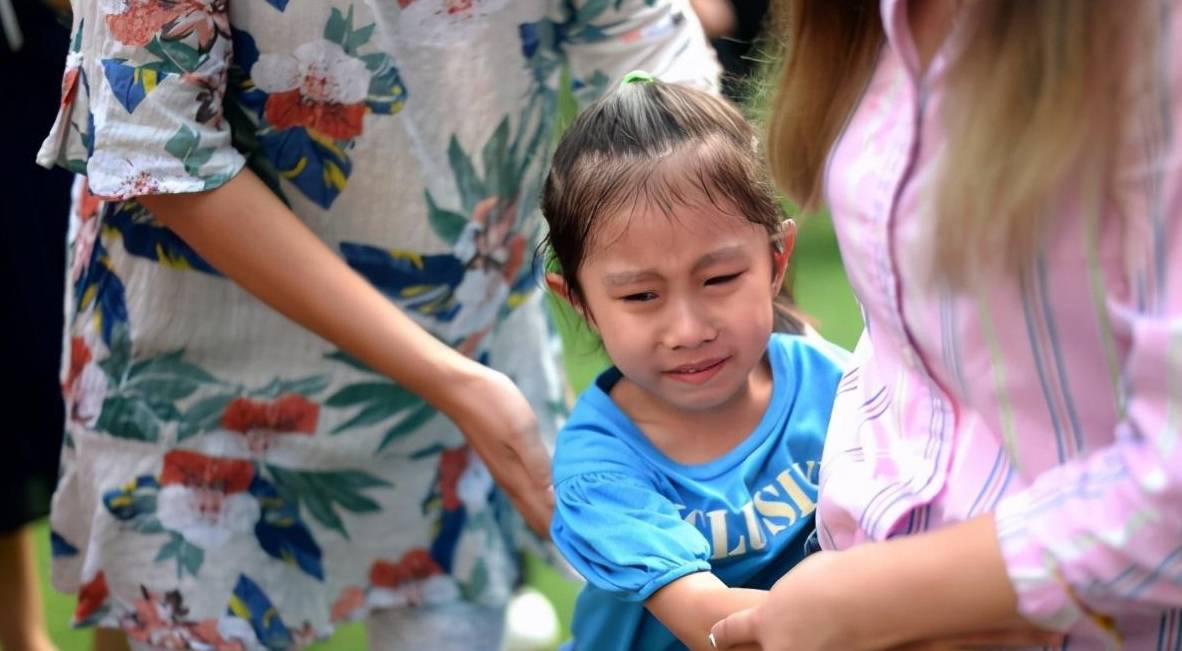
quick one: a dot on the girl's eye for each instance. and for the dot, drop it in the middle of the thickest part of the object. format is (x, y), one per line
(722, 280)
(639, 297)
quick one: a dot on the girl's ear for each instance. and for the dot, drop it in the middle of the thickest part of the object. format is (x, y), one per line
(557, 284)
(782, 252)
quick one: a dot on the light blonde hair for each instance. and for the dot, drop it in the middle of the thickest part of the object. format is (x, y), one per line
(1037, 91)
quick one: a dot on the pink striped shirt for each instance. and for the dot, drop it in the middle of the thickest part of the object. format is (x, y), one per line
(1052, 398)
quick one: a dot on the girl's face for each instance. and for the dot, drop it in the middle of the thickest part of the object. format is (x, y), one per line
(683, 303)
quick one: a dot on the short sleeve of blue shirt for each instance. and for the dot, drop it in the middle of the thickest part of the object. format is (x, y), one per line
(623, 536)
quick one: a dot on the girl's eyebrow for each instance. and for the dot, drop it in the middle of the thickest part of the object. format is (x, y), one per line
(724, 254)
(629, 277)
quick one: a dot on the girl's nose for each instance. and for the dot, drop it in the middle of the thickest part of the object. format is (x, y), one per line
(688, 326)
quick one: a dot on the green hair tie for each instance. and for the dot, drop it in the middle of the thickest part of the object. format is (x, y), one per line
(637, 77)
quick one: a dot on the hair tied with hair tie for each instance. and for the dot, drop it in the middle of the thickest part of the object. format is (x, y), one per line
(637, 77)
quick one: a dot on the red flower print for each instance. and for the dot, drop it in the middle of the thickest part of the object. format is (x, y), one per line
(458, 6)
(91, 597)
(208, 19)
(142, 20)
(261, 421)
(88, 203)
(338, 121)
(194, 470)
(351, 599)
(70, 85)
(415, 565)
(452, 464)
(80, 356)
(318, 86)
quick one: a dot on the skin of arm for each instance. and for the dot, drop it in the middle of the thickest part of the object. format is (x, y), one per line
(689, 605)
(245, 232)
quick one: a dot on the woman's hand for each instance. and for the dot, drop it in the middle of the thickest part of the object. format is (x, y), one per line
(501, 427)
(943, 589)
(797, 614)
(806, 611)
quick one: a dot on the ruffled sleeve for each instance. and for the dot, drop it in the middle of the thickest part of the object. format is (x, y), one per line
(623, 536)
(141, 109)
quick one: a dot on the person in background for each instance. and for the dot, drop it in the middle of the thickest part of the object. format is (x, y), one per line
(735, 28)
(32, 257)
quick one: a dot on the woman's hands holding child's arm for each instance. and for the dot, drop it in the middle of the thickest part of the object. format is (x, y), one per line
(942, 590)
(689, 605)
(252, 238)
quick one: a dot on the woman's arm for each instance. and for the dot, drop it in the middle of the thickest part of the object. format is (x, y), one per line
(295, 273)
(689, 605)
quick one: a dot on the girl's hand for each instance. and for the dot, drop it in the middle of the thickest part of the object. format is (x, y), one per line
(501, 427)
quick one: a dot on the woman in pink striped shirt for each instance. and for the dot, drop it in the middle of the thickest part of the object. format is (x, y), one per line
(1006, 182)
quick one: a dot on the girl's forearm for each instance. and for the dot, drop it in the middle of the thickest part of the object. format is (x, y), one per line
(690, 605)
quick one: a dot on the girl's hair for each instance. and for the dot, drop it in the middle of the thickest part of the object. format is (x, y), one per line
(1037, 90)
(609, 160)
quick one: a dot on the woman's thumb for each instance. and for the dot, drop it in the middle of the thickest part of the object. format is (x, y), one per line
(736, 629)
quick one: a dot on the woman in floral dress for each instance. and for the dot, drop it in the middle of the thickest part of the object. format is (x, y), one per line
(244, 473)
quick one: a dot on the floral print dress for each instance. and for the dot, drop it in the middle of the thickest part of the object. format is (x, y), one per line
(230, 480)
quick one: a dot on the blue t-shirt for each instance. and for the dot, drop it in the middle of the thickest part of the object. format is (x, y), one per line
(630, 520)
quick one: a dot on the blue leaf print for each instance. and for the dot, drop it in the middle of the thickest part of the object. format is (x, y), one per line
(278, 4)
(130, 84)
(60, 547)
(423, 283)
(133, 499)
(240, 86)
(317, 165)
(145, 238)
(387, 94)
(248, 602)
(281, 532)
(99, 286)
(529, 39)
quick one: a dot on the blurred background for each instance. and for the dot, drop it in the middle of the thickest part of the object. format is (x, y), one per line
(33, 251)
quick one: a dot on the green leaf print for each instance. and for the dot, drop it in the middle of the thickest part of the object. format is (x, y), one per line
(129, 418)
(346, 358)
(379, 400)
(471, 188)
(165, 411)
(203, 415)
(188, 557)
(365, 392)
(320, 492)
(304, 386)
(338, 26)
(116, 364)
(474, 588)
(498, 169)
(413, 421)
(357, 38)
(183, 57)
(183, 145)
(447, 225)
(149, 524)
